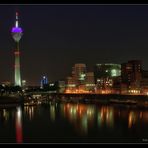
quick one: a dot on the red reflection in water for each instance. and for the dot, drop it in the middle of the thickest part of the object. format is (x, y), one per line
(19, 137)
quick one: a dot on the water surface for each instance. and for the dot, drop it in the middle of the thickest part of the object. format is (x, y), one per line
(73, 123)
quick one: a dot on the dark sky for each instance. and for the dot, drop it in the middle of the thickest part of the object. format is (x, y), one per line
(58, 36)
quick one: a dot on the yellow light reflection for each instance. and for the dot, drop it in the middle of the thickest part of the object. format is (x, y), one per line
(131, 119)
(29, 110)
(52, 112)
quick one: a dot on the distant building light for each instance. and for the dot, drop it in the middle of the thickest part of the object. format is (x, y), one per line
(98, 80)
(44, 81)
(71, 85)
(82, 76)
(23, 81)
(90, 84)
(114, 72)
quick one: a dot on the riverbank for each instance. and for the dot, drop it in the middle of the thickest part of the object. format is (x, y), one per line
(139, 100)
(11, 99)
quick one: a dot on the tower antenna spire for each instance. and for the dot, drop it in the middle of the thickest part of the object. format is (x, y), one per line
(16, 23)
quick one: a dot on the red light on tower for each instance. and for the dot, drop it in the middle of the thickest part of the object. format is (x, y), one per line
(16, 52)
(16, 66)
(17, 14)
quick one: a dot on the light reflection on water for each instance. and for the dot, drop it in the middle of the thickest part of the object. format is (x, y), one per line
(86, 120)
(29, 110)
(18, 127)
(52, 112)
(5, 114)
(84, 116)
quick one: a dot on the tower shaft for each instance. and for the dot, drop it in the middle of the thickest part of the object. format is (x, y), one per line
(17, 65)
(17, 34)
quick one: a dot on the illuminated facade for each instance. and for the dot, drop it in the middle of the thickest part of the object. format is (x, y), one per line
(17, 33)
(107, 70)
(144, 83)
(126, 78)
(79, 73)
(60, 86)
(70, 85)
(44, 81)
(105, 74)
(90, 82)
(76, 82)
(131, 75)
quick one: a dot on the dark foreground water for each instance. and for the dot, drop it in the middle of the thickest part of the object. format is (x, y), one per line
(73, 123)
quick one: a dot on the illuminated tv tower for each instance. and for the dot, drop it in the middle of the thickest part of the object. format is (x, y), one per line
(17, 34)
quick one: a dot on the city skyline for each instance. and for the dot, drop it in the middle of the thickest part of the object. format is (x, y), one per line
(58, 36)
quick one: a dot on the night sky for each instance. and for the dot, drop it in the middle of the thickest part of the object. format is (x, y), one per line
(58, 36)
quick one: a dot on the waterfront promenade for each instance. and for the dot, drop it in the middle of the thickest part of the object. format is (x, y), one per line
(140, 100)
